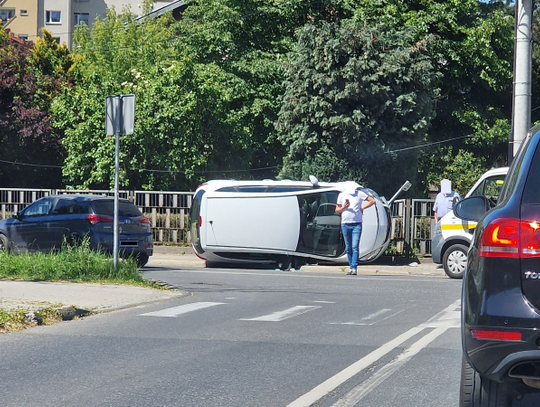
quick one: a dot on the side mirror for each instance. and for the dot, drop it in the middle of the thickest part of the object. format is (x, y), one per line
(455, 201)
(16, 215)
(472, 208)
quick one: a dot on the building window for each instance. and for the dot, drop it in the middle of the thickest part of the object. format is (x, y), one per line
(57, 39)
(81, 18)
(52, 17)
(6, 14)
(24, 12)
(23, 37)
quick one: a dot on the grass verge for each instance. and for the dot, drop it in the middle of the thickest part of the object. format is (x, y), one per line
(17, 320)
(77, 264)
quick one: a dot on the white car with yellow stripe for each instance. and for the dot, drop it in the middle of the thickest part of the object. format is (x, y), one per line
(452, 236)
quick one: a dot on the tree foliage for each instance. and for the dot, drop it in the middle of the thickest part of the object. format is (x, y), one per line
(375, 90)
(354, 93)
(473, 51)
(249, 41)
(30, 77)
(178, 107)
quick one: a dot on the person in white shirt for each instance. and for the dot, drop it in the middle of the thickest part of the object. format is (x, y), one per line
(351, 205)
(444, 202)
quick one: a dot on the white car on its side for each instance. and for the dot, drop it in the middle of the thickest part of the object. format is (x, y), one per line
(287, 223)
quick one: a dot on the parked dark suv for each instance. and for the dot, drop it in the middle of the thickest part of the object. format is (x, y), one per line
(501, 289)
(45, 224)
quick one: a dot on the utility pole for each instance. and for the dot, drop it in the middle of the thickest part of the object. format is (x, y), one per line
(521, 106)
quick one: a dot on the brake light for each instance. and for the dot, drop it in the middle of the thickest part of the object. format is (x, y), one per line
(144, 220)
(93, 219)
(200, 221)
(489, 334)
(530, 235)
(500, 239)
(513, 238)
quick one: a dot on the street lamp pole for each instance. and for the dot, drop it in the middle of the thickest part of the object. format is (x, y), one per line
(521, 106)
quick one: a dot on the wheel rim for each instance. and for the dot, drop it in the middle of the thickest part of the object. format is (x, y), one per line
(457, 262)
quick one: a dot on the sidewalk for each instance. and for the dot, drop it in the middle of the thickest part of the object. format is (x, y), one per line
(170, 256)
(107, 297)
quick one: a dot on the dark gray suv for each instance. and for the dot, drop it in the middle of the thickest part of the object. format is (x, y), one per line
(501, 289)
(45, 224)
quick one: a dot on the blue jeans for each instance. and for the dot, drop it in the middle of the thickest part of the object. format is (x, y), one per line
(351, 236)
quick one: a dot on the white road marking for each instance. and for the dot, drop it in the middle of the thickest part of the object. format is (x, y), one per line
(325, 302)
(450, 317)
(182, 309)
(369, 317)
(335, 381)
(359, 392)
(282, 315)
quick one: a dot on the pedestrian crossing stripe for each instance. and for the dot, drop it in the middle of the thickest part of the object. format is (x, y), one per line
(182, 309)
(285, 314)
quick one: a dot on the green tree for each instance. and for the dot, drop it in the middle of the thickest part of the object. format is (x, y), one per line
(353, 94)
(249, 40)
(30, 77)
(473, 51)
(183, 118)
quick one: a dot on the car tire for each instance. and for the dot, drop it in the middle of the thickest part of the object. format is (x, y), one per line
(478, 391)
(284, 263)
(455, 260)
(141, 259)
(4, 244)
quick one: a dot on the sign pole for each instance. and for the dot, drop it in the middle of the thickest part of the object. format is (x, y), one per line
(119, 119)
(116, 180)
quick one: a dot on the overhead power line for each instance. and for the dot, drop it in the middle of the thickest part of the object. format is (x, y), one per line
(428, 144)
(231, 171)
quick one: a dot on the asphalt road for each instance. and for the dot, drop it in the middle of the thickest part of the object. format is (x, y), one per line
(33, 295)
(245, 337)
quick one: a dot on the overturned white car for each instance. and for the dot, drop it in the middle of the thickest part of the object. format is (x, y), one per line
(288, 223)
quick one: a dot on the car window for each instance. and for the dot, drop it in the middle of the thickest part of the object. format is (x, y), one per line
(320, 226)
(38, 208)
(490, 187)
(125, 209)
(514, 170)
(531, 194)
(69, 207)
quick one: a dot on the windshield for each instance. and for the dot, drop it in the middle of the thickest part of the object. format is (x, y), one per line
(320, 226)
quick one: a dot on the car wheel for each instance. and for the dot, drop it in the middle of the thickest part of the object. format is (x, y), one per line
(284, 263)
(4, 243)
(298, 262)
(477, 391)
(455, 261)
(141, 259)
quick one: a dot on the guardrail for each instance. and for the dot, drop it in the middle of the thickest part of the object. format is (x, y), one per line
(412, 219)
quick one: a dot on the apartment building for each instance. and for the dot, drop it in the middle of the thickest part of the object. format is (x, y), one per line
(26, 18)
(21, 17)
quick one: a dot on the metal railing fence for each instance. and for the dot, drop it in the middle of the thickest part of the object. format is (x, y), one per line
(412, 219)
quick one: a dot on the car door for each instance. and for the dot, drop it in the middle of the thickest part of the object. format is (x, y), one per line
(64, 222)
(28, 232)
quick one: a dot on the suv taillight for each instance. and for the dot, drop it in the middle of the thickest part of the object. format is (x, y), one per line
(144, 220)
(514, 238)
(93, 219)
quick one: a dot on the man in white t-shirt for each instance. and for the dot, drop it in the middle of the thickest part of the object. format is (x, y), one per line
(350, 205)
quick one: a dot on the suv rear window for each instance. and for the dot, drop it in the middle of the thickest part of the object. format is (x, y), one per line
(531, 194)
(514, 170)
(125, 209)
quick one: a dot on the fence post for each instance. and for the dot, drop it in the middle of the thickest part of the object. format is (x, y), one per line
(407, 224)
